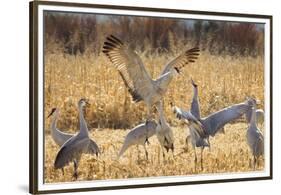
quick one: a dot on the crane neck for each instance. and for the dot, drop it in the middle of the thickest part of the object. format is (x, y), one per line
(161, 113)
(82, 122)
(165, 80)
(54, 122)
(253, 116)
(195, 93)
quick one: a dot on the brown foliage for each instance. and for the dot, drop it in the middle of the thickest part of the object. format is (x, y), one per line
(79, 33)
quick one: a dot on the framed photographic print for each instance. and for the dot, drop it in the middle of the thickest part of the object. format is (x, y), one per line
(129, 97)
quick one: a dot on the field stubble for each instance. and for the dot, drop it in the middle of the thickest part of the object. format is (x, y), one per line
(222, 81)
(229, 153)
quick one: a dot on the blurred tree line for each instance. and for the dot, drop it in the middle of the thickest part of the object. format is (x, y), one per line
(84, 33)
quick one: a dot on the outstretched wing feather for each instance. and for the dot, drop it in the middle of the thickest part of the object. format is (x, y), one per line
(217, 120)
(181, 114)
(129, 65)
(187, 57)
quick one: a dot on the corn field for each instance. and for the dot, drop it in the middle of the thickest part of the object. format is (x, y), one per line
(223, 80)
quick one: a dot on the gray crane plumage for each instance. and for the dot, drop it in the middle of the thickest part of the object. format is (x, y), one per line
(212, 123)
(139, 136)
(132, 70)
(76, 145)
(195, 111)
(164, 132)
(58, 136)
(219, 119)
(255, 138)
(195, 105)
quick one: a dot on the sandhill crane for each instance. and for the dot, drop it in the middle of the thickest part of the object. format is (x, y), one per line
(164, 132)
(195, 109)
(132, 70)
(139, 136)
(254, 137)
(77, 145)
(213, 123)
(58, 136)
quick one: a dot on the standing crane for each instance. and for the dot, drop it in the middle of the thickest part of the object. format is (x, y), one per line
(139, 136)
(211, 124)
(132, 70)
(255, 138)
(195, 110)
(163, 131)
(77, 145)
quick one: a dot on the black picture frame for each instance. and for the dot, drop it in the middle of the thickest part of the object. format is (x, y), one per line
(33, 91)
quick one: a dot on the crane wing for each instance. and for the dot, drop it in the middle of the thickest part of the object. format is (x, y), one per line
(93, 148)
(217, 120)
(187, 57)
(129, 85)
(181, 114)
(130, 67)
(72, 150)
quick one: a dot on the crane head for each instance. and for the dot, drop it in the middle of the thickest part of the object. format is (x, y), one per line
(252, 101)
(83, 102)
(193, 84)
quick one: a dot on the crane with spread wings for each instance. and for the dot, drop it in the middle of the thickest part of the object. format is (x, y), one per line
(135, 76)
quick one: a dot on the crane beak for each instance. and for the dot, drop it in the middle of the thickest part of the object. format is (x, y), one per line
(193, 84)
(52, 112)
(87, 102)
(49, 115)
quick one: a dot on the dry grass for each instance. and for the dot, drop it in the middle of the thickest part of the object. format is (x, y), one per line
(229, 153)
(222, 81)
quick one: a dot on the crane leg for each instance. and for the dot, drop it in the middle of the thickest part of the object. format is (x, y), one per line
(75, 164)
(62, 170)
(258, 161)
(138, 153)
(255, 161)
(146, 153)
(195, 158)
(202, 149)
(208, 140)
(187, 141)
(163, 153)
